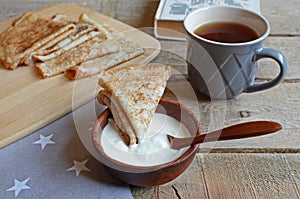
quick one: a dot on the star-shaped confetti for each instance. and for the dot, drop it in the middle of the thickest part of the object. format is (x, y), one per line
(43, 141)
(79, 166)
(19, 186)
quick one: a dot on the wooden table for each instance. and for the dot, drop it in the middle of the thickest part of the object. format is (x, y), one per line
(266, 167)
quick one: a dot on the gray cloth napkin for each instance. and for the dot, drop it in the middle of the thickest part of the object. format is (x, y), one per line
(53, 163)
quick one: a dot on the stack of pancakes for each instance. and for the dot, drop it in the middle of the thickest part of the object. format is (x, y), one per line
(56, 45)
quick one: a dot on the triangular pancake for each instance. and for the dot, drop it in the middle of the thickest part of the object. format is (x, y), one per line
(132, 93)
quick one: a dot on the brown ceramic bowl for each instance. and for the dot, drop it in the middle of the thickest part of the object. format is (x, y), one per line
(147, 176)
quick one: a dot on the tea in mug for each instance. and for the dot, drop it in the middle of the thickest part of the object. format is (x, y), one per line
(226, 32)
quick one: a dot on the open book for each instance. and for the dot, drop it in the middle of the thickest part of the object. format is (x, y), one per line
(171, 13)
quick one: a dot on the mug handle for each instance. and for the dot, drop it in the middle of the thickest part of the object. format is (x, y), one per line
(282, 62)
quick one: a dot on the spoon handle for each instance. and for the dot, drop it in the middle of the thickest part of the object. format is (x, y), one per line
(243, 130)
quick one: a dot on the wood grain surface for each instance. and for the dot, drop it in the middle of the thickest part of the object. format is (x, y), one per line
(266, 167)
(234, 175)
(28, 102)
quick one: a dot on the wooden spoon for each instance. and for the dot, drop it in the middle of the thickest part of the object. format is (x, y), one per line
(244, 130)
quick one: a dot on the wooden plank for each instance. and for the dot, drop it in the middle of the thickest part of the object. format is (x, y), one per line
(233, 175)
(191, 184)
(248, 176)
(293, 163)
(137, 13)
(282, 15)
(28, 102)
(11, 8)
(281, 104)
(289, 46)
(225, 176)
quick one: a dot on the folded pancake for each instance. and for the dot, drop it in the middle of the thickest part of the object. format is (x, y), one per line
(27, 34)
(132, 94)
(88, 50)
(85, 30)
(84, 18)
(89, 41)
(83, 34)
(128, 50)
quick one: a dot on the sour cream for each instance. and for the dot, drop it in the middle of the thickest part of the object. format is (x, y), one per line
(152, 150)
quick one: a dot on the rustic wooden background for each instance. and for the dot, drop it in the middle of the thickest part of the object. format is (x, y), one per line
(266, 167)
(138, 13)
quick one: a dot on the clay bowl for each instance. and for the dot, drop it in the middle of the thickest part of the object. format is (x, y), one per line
(147, 176)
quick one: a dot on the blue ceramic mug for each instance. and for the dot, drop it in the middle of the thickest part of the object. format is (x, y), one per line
(224, 70)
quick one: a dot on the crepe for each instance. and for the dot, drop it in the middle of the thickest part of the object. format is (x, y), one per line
(88, 50)
(27, 34)
(57, 44)
(89, 41)
(85, 30)
(86, 19)
(132, 93)
(128, 50)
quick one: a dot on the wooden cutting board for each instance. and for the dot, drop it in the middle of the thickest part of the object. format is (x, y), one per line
(28, 102)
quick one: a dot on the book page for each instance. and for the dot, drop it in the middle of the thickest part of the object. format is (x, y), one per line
(178, 9)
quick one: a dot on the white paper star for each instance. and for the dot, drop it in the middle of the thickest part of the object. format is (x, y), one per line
(19, 186)
(43, 141)
(79, 166)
